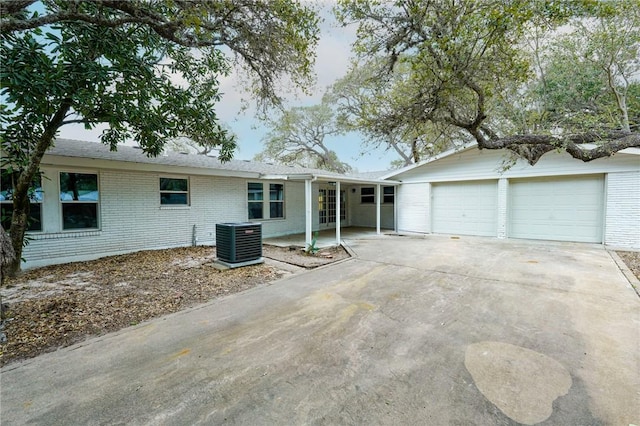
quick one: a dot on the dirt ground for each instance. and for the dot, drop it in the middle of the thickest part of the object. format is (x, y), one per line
(632, 260)
(60, 305)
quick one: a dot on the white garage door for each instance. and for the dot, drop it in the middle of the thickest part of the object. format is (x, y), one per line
(562, 209)
(468, 208)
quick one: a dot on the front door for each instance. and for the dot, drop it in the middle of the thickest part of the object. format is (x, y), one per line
(327, 207)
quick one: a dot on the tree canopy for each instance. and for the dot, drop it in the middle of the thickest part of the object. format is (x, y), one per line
(465, 64)
(362, 97)
(149, 69)
(298, 135)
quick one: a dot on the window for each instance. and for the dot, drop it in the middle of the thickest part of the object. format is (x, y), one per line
(79, 198)
(255, 196)
(7, 182)
(276, 201)
(258, 208)
(388, 194)
(174, 191)
(322, 205)
(327, 205)
(368, 195)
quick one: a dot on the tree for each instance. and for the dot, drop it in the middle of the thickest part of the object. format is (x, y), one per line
(365, 95)
(611, 43)
(7, 258)
(461, 55)
(147, 68)
(198, 145)
(298, 137)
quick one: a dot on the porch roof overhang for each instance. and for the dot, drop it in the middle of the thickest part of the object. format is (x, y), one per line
(310, 178)
(329, 178)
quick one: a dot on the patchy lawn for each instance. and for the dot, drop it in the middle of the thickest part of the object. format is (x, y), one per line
(60, 305)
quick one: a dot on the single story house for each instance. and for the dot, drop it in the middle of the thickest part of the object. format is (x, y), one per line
(92, 202)
(473, 192)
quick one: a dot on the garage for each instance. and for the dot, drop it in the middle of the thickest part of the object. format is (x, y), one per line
(467, 208)
(557, 208)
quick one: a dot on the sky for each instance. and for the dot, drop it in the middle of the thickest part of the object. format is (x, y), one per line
(332, 62)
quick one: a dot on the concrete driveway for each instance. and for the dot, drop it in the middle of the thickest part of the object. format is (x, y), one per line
(428, 331)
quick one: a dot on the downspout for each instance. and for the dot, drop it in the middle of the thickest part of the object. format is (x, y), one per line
(194, 238)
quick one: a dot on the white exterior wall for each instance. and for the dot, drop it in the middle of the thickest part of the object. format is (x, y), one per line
(131, 218)
(622, 192)
(503, 205)
(414, 207)
(364, 215)
(622, 225)
(474, 164)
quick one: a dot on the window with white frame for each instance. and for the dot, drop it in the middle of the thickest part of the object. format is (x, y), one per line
(7, 184)
(276, 201)
(261, 208)
(79, 199)
(388, 194)
(174, 191)
(367, 195)
(255, 197)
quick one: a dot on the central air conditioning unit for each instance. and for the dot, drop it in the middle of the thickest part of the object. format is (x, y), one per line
(239, 244)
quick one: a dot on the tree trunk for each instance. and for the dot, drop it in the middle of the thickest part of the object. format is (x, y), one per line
(414, 151)
(7, 257)
(621, 99)
(21, 191)
(19, 222)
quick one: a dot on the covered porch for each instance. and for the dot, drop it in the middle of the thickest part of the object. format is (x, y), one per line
(325, 215)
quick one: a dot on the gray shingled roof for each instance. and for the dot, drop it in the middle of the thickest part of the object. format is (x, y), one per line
(83, 149)
(99, 151)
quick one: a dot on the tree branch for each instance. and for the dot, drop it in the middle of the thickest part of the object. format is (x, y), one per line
(533, 147)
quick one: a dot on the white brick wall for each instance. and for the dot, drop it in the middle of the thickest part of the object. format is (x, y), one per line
(622, 227)
(132, 219)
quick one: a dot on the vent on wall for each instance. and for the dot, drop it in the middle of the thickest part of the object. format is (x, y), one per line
(239, 242)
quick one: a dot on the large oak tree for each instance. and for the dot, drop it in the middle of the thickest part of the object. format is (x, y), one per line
(464, 63)
(298, 137)
(149, 69)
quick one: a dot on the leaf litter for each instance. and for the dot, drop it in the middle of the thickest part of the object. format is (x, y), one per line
(59, 305)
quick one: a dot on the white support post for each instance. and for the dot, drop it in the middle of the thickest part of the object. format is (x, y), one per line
(378, 209)
(395, 209)
(308, 213)
(338, 238)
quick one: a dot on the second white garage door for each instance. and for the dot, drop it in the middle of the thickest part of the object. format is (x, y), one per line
(468, 208)
(562, 209)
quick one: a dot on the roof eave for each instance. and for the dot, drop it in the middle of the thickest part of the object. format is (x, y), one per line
(325, 178)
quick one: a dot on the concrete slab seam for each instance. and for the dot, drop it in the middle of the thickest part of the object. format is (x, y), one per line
(348, 249)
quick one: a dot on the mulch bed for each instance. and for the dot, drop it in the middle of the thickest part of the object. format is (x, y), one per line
(60, 305)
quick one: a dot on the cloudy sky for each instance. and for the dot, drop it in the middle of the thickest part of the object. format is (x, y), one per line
(333, 54)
